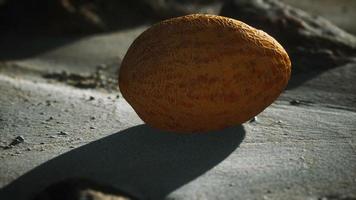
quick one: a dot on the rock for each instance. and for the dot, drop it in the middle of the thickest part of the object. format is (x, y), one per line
(254, 119)
(62, 133)
(18, 140)
(294, 102)
(312, 42)
(79, 189)
(174, 8)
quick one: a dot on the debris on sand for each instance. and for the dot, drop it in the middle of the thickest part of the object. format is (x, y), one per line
(62, 133)
(18, 140)
(75, 80)
(294, 102)
(254, 119)
(80, 188)
(49, 119)
(98, 79)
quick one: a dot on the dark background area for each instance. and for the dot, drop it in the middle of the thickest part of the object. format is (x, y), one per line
(90, 16)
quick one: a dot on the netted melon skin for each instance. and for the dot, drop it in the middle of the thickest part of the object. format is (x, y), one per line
(200, 73)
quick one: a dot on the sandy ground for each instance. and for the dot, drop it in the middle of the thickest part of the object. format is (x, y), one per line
(292, 151)
(304, 151)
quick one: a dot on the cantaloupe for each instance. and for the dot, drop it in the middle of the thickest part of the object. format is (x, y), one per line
(200, 73)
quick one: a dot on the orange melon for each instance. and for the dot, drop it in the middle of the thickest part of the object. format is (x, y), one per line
(201, 73)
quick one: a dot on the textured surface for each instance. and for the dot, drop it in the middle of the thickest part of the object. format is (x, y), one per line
(311, 42)
(305, 151)
(202, 73)
(338, 12)
(302, 151)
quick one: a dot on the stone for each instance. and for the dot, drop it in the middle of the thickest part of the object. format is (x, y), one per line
(81, 189)
(312, 42)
